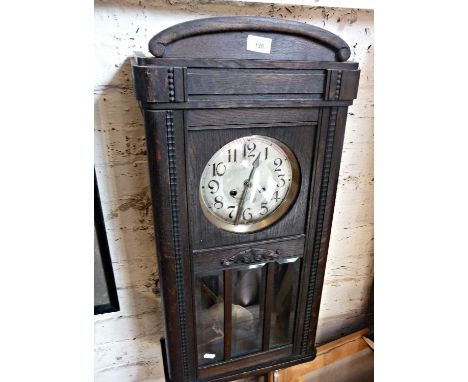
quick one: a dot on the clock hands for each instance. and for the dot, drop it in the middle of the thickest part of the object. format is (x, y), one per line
(247, 184)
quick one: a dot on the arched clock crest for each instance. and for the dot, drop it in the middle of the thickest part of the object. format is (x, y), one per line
(244, 119)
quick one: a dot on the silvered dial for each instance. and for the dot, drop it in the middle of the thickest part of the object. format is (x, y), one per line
(249, 184)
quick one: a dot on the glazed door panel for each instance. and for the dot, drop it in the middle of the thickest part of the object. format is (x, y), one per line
(244, 311)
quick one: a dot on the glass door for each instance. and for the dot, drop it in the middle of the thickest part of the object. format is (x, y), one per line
(245, 310)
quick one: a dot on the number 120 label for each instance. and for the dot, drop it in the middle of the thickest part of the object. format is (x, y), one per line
(258, 44)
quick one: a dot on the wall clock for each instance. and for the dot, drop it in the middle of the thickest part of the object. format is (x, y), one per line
(244, 120)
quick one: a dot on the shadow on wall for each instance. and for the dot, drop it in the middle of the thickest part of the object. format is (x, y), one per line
(337, 326)
(127, 342)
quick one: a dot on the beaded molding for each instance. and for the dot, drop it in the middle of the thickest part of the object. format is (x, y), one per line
(338, 85)
(319, 225)
(170, 83)
(171, 156)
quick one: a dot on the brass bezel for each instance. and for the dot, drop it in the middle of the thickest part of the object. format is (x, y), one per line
(277, 213)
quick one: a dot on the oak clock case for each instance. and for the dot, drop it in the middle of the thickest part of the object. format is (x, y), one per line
(244, 120)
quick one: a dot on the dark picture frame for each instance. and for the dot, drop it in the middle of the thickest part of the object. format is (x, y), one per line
(105, 290)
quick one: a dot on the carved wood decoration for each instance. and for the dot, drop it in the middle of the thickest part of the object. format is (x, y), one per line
(251, 256)
(241, 304)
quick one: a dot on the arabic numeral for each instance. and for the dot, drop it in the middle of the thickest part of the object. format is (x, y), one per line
(218, 202)
(232, 211)
(280, 177)
(264, 209)
(232, 155)
(278, 162)
(247, 215)
(213, 185)
(249, 148)
(276, 198)
(219, 169)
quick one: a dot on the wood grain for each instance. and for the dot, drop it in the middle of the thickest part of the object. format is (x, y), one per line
(242, 64)
(202, 119)
(223, 37)
(209, 259)
(227, 314)
(254, 81)
(244, 101)
(270, 277)
(244, 362)
(326, 355)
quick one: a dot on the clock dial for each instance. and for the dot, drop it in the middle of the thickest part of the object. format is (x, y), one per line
(249, 184)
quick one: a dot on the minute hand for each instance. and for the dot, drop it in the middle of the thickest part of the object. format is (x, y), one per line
(247, 184)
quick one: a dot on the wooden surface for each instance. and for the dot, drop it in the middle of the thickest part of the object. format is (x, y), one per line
(326, 355)
(203, 119)
(127, 343)
(255, 81)
(357, 367)
(223, 37)
(178, 157)
(208, 259)
(238, 64)
(168, 192)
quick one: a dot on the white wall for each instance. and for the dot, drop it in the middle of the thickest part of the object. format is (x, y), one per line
(127, 342)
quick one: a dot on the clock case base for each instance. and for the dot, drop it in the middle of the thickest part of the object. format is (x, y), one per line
(187, 84)
(257, 370)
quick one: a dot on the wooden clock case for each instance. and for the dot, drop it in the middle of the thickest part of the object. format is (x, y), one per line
(202, 89)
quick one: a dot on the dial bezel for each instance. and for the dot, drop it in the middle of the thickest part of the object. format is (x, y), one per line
(279, 212)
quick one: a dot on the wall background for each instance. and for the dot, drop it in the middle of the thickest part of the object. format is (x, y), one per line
(127, 342)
